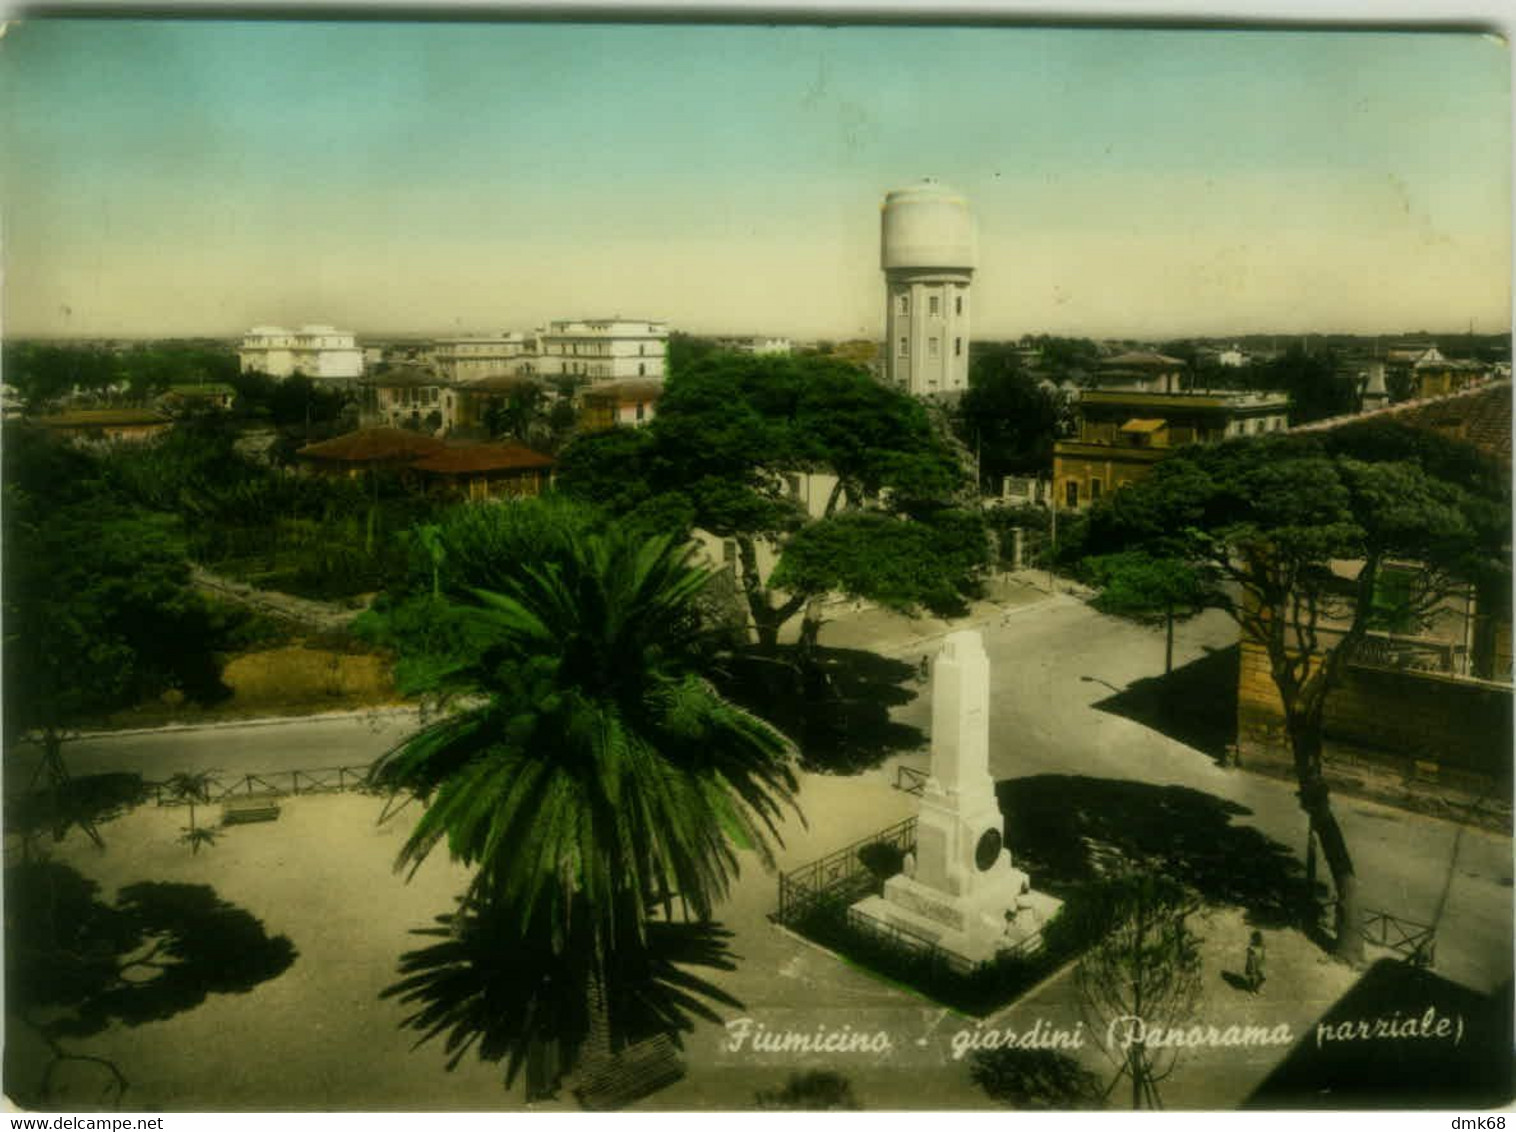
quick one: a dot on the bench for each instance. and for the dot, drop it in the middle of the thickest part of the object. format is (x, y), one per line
(257, 807)
(637, 1071)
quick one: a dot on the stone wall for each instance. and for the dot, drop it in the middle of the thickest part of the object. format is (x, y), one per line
(1431, 727)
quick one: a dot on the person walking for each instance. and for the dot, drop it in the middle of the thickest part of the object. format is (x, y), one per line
(1253, 973)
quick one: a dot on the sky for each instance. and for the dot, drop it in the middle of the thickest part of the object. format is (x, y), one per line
(165, 178)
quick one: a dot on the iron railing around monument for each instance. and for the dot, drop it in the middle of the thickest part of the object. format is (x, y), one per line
(840, 875)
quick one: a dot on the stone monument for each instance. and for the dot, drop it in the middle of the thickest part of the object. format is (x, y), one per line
(962, 895)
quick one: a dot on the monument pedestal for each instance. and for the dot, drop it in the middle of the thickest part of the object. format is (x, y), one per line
(963, 895)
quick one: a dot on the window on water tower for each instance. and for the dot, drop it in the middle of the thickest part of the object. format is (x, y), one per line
(934, 306)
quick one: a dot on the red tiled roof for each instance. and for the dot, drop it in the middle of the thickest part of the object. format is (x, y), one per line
(466, 459)
(1480, 415)
(374, 445)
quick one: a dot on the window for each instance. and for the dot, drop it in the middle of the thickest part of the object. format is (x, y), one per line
(957, 347)
(641, 369)
(903, 304)
(641, 410)
(958, 305)
(932, 349)
(1071, 493)
(934, 306)
(905, 348)
(1095, 488)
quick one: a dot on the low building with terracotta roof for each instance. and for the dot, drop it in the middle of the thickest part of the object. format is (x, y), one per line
(106, 426)
(368, 449)
(613, 403)
(487, 471)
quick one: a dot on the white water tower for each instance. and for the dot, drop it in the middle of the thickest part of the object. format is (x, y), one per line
(927, 252)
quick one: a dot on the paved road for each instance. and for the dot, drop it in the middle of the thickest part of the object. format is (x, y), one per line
(355, 739)
(1052, 662)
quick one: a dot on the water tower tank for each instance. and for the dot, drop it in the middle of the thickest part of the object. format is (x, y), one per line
(927, 226)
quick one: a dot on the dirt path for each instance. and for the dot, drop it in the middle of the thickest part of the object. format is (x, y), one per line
(318, 615)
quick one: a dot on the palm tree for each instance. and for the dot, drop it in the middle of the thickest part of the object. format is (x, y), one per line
(591, 774)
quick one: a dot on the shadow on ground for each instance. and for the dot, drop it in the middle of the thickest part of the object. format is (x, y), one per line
(524, 997)
(84, 801)
(836, 707)
(1069, 829)
(1400, 1061)
(1196, 704)
(74, 964)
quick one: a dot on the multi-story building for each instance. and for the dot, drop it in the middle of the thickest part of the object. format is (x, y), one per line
(484, 355)
(317, 351)
(606, 349)
(412, 397)
(1123, 433)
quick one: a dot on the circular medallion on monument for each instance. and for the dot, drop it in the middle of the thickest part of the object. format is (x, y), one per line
(987, 852)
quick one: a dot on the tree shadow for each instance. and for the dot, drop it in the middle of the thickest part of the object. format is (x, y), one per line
(1196, 704)
(525, 997)
(85, 802)
(1036, 1080)
(75, 964)
(1337, 1065)
(833, 703)
(1067, 830)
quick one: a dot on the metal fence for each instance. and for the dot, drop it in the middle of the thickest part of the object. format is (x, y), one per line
(911, 780)
(269, 783)
(842, 873)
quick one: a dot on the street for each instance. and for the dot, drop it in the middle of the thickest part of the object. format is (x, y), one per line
(1052, 662)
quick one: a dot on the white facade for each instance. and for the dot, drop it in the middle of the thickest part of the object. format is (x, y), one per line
(317, 351)
(484, 355)
(927, 251)
(604, 349)
(761, 345)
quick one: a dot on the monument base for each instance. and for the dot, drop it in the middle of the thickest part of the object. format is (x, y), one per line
(974, 929)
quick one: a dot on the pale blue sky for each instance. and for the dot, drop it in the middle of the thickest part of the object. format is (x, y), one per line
(198, 177)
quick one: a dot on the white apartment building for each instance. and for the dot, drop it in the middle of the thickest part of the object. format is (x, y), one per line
(604, 349)
(318, 351)
(484, 355)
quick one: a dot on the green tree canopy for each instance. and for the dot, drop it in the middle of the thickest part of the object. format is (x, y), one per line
(1007, 416)
(1296, 531)
(589, 773)
(732, 438)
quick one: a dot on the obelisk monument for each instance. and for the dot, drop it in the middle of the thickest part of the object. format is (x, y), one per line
(963, 894)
